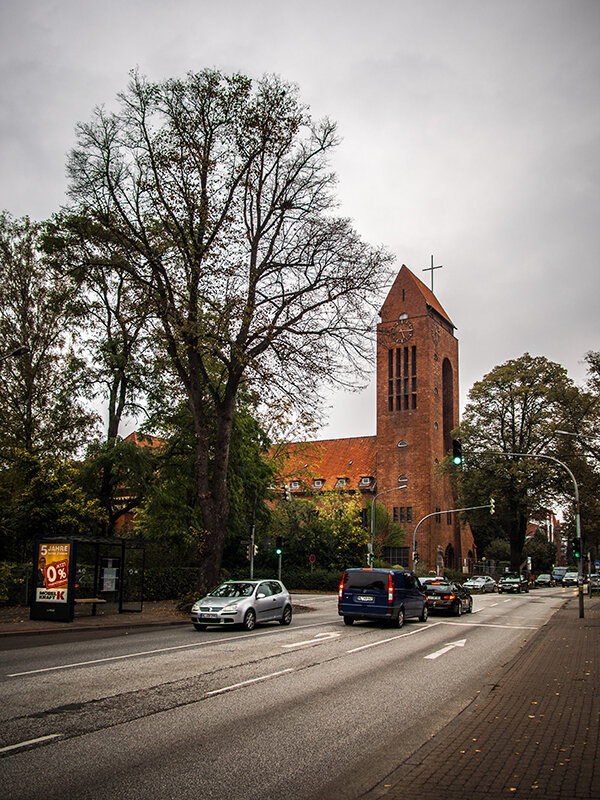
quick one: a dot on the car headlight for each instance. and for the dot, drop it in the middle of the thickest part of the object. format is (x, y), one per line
(230, 609)
(196, 607)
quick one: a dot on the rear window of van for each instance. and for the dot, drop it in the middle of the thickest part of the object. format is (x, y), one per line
(366, 580)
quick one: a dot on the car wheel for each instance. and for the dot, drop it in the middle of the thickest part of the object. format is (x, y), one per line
(199, 627)
(249, 622)
(287, 616)
(398, 621)
(458, 609)
(348, 620)
(424, 614)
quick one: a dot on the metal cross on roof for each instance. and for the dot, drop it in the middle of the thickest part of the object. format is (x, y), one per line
(430, 269)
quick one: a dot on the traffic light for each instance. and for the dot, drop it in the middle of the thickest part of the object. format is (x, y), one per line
(492, 506)
(577, 548)
(248, 552)
(457, 452)
(287, 495)
(255, 549)
(279, 545)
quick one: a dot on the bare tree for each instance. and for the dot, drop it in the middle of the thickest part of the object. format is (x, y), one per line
(221, 194)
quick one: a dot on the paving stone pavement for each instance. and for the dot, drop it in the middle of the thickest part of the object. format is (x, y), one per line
(535, 734)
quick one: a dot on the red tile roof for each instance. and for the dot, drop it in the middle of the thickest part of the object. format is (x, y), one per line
(331, 459)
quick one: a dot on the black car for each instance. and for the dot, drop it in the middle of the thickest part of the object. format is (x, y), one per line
(513, 583)
(445, 595)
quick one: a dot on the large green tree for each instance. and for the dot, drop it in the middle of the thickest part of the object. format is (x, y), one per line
(217, 193)
(512, 411)
(43, 392)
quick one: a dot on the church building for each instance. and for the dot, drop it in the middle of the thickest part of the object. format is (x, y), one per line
(417, 409)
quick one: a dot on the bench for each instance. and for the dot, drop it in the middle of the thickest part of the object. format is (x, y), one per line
(89, 600)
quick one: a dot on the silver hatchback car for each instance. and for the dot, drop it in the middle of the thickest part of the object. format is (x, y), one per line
(244, 603)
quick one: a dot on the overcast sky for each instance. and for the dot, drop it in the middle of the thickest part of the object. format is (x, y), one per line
(471, 132)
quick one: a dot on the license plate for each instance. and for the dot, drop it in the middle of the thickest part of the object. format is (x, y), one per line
(209, 616)
(365, 598)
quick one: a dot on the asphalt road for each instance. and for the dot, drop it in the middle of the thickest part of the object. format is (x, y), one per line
(318, 709)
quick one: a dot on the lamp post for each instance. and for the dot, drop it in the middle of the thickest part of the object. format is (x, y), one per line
(385, 491)
(577, 515)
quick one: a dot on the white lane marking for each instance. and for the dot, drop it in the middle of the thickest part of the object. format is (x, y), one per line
(248, 682)
(319, 638)
(447, 648)
(393, 638)
(30, 741)
(159, 650)
(492, 625)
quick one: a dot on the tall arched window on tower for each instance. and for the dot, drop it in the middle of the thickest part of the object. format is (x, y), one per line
(447, 403)
(402, 378)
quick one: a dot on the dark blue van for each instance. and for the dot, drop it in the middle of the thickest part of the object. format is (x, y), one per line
(389, 595)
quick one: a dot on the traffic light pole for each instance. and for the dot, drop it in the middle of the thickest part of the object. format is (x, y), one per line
(434, 514)
(385, 491)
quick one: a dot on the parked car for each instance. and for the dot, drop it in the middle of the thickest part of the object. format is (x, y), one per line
(481, 583)
(570, 579)
(385, 595)
(513, 583)
(445, 595)
(244, 603)
(545, 580)
(594, 582)
(558, 573)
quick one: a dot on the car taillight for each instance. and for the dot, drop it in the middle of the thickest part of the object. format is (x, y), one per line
(390, 590)
(449, 597)
(340, 590)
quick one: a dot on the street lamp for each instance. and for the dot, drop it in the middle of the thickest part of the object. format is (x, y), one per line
(385, 491)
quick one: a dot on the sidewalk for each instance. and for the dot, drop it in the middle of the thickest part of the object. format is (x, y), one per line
(16, 622)
(535, 734)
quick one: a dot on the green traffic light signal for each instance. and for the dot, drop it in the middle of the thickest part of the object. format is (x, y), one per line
(577, 548)
(457, 452)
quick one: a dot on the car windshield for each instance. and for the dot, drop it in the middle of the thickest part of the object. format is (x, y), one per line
(233, 590)
(543, 577)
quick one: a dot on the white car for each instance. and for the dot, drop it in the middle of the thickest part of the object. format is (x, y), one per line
(244, 603)
(480, 583)
(570, 579)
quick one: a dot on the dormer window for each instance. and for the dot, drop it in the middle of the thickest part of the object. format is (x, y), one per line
(318, 483)
(366, 480)
(295, 485)
(341, 483)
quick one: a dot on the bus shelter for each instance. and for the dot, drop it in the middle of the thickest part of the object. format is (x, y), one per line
(84, 573)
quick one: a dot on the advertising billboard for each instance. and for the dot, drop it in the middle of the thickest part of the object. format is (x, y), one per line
(52, 588)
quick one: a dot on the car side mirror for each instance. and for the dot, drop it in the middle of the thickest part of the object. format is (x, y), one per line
(260, 595)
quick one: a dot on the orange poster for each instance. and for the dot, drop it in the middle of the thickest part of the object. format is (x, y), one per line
(53, 573)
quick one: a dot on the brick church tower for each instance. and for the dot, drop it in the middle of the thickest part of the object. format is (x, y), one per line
(417, 409)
